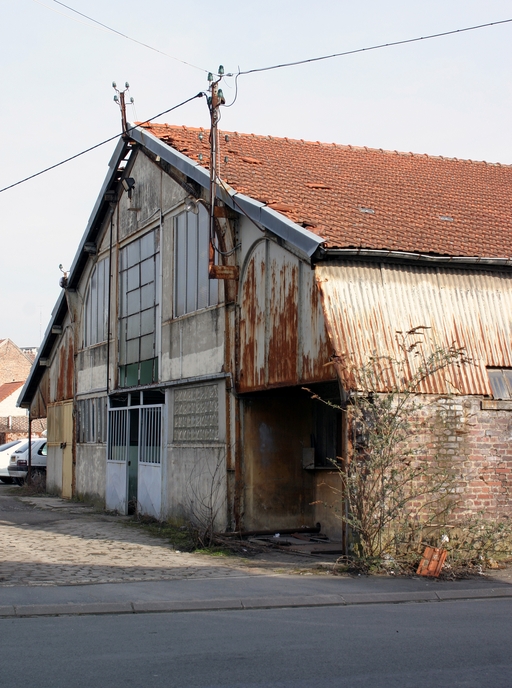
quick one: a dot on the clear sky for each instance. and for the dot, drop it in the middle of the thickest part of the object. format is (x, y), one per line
(449, 96)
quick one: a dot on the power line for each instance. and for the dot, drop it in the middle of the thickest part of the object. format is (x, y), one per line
(119, 33)
(87, 150)
(372, 47)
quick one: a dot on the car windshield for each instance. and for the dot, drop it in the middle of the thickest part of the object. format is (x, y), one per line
(9, 445)
(23, 447)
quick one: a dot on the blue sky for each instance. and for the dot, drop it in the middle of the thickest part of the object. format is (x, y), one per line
(450, 96)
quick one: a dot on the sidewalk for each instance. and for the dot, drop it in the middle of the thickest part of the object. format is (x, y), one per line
(58, 558)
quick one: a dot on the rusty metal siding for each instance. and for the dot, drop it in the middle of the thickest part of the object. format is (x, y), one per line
(315, 347)
(62, 368)
(252, 321)
(282, 313)
(283, 339)
(366, 304)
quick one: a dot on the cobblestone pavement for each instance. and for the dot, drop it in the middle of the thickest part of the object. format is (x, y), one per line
(48, 541)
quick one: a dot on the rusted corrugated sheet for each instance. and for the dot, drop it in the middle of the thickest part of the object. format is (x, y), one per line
(283, 340)
(366, 304)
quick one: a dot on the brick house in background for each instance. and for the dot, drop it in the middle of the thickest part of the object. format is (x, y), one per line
(161, 382)
(15, 364)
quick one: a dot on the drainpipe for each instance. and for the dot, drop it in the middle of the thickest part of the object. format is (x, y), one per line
(29, 466)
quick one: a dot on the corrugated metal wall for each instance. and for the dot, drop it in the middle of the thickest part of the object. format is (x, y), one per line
(366, 304)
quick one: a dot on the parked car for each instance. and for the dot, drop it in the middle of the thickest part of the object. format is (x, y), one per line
(18, 464)
(5, 455)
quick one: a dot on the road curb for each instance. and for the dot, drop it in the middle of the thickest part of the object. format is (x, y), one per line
(264, 602)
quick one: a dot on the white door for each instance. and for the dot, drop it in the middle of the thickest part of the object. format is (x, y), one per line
(116, 497)
(150, 461)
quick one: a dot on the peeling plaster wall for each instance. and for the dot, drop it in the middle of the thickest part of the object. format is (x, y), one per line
(91, 468)
(193, 344)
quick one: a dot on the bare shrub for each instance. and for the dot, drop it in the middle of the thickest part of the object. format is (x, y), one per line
(206, 499)
(393, 490)
(36, 486)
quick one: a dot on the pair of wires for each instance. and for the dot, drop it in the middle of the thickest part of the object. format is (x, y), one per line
(102, 143)
(283, 64)
(232, 74)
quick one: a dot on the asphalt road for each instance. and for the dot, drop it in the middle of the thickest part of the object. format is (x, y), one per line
(464, 643)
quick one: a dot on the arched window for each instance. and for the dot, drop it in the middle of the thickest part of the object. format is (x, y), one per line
(96, 305)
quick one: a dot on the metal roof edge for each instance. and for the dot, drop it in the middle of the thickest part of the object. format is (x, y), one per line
(181, 162)
(61, 306)
(58, 314)
(301, 238)
(100, 201)
(474, 262)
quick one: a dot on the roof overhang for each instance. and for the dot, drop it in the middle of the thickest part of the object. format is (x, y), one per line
(403, 257)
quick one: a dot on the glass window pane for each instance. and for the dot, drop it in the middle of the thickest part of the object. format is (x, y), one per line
(122, 342)
(147, 321)
(122, 294)
(133, 326)
(147, 271)
(180, 251)
(132, 375)
(147, 245)
(147, 347)
(192, 228)
(203, 258)
(133, 302)
(132, 351)
(133, 278)
(147, 296)
(498, 384)
(146, 372)
(100, 293)
(132, 254)
(507, 374)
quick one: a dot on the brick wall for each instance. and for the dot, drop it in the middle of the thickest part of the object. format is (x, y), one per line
(477, 444)
(14, 364)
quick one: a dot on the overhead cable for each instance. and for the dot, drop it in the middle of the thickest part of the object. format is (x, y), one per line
(371, 47)
(97, 145)
(119, 33)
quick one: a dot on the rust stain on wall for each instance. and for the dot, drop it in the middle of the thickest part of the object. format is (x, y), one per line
(283, 317)
(65, 369)
(283, 339)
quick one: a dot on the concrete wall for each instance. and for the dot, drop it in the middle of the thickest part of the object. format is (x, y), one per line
(195, 471)
(193, 344)
(91, 467)
(196, 484)
(54, 469)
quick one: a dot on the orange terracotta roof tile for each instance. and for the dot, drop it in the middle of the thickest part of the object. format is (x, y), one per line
(357, 197)
(9, 388)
